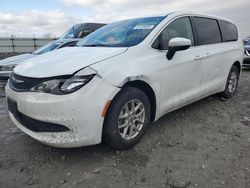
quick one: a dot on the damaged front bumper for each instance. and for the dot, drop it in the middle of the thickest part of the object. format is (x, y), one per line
(80, 113)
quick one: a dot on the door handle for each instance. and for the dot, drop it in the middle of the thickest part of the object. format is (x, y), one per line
(198, 57)
(206, 55)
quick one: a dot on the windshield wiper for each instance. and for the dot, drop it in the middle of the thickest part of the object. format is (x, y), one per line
(96, 45)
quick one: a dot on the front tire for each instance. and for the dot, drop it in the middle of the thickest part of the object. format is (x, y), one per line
(232, 83)
(127, 118)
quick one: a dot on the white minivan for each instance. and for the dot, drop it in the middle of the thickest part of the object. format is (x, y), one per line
(122, 76)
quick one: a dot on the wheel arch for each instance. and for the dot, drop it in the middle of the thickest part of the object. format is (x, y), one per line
(238, 65)
(148, 90)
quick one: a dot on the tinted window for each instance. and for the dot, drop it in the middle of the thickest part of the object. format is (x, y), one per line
(247, 42)
(178, 28)
(229, 31)
(208, 31)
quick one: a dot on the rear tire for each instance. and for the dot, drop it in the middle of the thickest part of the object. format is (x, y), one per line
(232, 83)
(127, 118)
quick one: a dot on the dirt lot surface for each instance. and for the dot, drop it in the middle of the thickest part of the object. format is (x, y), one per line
(206, 145)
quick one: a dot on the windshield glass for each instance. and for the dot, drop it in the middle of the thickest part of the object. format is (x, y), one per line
(72, 33)
(122, 34)
(47, 48)
(248, 42)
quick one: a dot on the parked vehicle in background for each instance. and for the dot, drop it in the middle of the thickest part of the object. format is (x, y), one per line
(69, 39)
(81, 30)
(247, 53)
(7, 65)
(122, 76)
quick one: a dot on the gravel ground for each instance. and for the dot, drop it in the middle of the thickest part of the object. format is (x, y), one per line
(206, 145)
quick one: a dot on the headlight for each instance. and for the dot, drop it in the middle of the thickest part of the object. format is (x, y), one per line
(7, 67)
(62, 86)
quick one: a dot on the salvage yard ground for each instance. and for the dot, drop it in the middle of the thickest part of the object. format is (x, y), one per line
(206, 145)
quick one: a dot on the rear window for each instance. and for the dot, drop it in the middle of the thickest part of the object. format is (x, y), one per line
(229, 31)
(208, 31)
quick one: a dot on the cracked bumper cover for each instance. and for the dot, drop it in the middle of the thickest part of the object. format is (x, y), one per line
(80, 112)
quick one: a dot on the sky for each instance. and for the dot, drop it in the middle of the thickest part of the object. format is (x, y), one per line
(53, 17)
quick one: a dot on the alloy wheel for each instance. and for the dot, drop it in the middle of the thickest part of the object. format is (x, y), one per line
(233, 81)
(131, 119)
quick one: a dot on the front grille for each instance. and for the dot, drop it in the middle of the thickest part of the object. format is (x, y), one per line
(21, 83)
(39, 126)
(33, 124)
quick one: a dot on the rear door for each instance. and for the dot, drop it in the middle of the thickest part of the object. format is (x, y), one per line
(212, 60)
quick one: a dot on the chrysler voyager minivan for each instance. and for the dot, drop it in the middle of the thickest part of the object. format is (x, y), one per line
(122, 76)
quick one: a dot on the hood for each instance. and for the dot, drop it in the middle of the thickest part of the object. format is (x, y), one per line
(65, 61)
(16, 59)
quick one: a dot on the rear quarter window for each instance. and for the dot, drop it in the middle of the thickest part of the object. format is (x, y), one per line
(229, 31)
(208, 31)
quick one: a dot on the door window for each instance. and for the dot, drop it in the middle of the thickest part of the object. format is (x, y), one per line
(178, 28)
(208, 31)
(229, 31)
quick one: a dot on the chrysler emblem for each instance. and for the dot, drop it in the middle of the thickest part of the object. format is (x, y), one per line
(17, 81)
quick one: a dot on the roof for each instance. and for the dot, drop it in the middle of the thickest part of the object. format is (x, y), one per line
(201, 14)
(183, 12)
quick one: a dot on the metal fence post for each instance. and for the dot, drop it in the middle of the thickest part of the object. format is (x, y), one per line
(35, 46)
(12, 43)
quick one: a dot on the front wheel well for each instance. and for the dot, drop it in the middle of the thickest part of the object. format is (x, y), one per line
(238, 65)
(147, 89)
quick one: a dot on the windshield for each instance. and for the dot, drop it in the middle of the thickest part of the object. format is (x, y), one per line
(47, 48)
(71, 33)
(246, 42)
(122, 34)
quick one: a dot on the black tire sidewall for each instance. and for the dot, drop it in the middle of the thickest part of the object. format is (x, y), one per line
(227, 93)
(111, 135)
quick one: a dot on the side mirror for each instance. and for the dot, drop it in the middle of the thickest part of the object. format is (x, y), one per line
(177, 44)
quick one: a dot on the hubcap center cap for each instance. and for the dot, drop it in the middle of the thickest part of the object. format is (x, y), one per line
(132, 119)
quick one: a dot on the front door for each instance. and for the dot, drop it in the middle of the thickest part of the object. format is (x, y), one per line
(181, 76)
